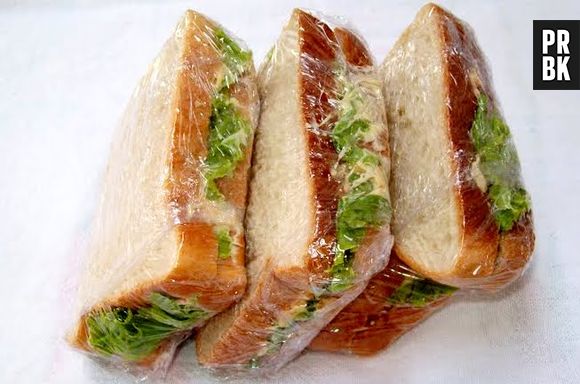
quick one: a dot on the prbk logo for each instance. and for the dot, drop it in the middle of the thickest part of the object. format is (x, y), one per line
(556, 54)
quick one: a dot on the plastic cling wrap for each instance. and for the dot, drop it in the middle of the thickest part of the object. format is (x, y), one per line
(394, 302)
(167, 243)
(319, 210)
(461, 213)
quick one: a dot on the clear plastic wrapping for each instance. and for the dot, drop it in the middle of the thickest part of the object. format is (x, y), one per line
(344, 153)
(318, 217)
(167, 242)
(461, 213)
(462, 218)
(395, 301)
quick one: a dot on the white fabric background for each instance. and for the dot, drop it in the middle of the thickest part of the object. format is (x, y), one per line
(66, 72)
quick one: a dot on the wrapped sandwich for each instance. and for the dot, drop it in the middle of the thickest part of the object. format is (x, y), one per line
(319, 210)
(461, 213)
(462, 217)
(167, 246)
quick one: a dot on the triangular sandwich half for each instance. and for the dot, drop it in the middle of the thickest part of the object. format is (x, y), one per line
(167, 247)
(319, 211)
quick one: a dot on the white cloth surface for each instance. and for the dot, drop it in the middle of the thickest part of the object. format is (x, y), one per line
(66, 73)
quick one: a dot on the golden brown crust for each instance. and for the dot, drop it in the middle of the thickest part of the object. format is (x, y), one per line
(318, 88)
(277, 293)
(516, 248)
(198, 270)
(480, 233)
(514, 253)
(194, 93)
(354, 49)
(370, 323)
(365, 333)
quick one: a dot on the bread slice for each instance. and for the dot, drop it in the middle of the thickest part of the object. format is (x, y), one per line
(167, 247)
(461, 214)
(395, 301)
(317, 85)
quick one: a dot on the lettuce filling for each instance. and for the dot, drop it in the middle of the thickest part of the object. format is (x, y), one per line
(228, 137)
(357, 211)
(236, 60)
(133, 334)
(419, 292)
(224, 240)
(229, 131)
(365, 205)
(500, 166)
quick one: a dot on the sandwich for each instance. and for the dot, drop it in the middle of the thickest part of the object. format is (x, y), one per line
(167, 247)
(461, 214)
(395, 301)
(317, 224)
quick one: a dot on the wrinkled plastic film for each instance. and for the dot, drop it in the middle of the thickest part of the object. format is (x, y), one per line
(321, 168)
(167, 242)
(440, 84)
(395, 301)
(462, 215)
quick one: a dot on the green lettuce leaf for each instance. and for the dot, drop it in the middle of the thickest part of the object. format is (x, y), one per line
(224, 243)
(229, 134)
(236, 60)
(348, 131)
(500, 166)
(357, 212)
(229, 131)
(133, 334)
(509, 204)
(360, 209)
(418, 292)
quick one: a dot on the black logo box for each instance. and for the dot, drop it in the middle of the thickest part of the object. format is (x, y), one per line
(573, 28)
